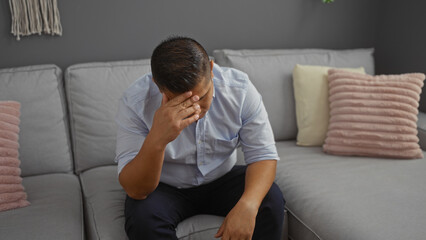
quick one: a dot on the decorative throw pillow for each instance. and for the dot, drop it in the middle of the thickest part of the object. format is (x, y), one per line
(311, 98)
(12, 194)
(374, 116)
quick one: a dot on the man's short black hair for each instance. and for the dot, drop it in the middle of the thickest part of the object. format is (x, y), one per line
(178, 64)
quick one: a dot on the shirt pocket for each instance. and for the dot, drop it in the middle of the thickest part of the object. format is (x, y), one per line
(223, 148)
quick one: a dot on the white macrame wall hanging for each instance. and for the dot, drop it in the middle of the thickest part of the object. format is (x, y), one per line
(35, 17)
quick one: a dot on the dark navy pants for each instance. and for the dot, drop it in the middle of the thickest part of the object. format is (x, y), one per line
(156, 217)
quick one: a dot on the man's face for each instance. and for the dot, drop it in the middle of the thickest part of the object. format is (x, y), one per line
(204, 90)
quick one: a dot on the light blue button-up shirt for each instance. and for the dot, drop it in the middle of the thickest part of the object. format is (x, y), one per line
(201, 153)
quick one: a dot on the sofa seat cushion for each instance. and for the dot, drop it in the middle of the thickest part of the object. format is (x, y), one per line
(199, 227)
(335, 197)
(56, 210)
(104, 202)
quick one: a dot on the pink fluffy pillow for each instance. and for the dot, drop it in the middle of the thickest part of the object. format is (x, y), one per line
(12, 194)
(373, 116)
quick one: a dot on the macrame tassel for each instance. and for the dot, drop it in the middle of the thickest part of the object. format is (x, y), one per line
(44, 13)
(57, 27)
(14, 28)
(35, 17)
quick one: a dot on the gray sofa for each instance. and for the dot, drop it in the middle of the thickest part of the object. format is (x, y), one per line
(67, 145)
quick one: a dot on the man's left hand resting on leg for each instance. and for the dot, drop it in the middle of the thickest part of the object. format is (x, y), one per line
(240, 222)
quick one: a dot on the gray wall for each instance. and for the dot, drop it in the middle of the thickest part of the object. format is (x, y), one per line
(401, 39)
(104, 30)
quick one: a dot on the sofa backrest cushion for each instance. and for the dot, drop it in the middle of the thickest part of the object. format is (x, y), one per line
(271, 73)
(93, 91)
(44, 134)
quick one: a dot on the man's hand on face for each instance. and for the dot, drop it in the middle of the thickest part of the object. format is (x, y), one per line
(174, 115)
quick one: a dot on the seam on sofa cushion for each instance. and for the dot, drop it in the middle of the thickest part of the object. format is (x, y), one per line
(95, 226)
(111, 64)
(73, 68)
(33, 68)
(303, 223)
(196, 232)
(88, 205)
(305, 51)
(273, 54)
(71, 118)
(66, 119)
(83, 227)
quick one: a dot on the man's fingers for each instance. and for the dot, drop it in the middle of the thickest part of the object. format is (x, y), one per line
(179, 99)
(188, 111)
(188, 121)
(220, 231)
(188, 102)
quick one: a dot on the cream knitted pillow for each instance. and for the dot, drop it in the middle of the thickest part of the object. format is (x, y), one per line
(311, 98)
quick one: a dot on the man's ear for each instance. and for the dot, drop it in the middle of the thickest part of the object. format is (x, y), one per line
(161, 90)
(211, 68)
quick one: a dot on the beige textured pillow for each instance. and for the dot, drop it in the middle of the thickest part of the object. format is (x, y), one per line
(374, 116)
(12, 193)
(311, 97)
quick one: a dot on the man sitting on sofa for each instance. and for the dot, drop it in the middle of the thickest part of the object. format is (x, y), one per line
(177, 128)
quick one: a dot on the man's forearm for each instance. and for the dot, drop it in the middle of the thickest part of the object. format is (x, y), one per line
(259, 178)
(141, 176)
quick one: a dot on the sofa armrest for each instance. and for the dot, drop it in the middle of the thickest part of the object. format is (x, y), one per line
(421, 128)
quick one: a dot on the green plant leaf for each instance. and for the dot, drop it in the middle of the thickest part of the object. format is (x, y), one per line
(327, 1)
